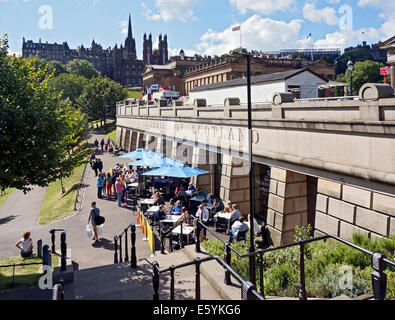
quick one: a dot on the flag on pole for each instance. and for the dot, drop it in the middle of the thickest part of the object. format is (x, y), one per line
(236, 28)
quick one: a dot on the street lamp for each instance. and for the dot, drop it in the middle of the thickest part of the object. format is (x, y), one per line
(250, 163)
(350, 67)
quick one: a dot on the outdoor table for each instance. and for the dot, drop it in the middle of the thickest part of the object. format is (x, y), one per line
(148, 202)
(173, 219)
(152, 210)
(190, 193)
(133, 185)
(186, 230)
(225, 216)
(197, 199)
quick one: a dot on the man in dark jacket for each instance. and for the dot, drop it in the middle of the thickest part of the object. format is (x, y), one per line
(95, 166)
(160, 214)
(100, 165)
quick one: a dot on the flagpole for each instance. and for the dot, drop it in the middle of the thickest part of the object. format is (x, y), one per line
(241, 41)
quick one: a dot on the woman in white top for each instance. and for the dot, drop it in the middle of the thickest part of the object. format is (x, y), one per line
(25, 245)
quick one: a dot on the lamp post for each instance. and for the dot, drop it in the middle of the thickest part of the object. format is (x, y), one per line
(350, 67)
(251, 249)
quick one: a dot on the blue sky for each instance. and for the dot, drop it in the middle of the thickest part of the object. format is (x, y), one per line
(202, 26)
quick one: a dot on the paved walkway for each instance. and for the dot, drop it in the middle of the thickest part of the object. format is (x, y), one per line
(20, 213)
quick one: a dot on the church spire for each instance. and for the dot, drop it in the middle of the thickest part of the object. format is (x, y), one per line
(130, 28)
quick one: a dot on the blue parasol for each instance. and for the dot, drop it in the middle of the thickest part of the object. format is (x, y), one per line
(176, 172)
(156, 162)
(141, 154)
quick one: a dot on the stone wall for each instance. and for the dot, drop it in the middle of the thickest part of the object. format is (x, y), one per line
(343, 210)
(287, 204)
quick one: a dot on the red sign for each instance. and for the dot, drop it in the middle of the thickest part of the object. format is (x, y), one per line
(384, 71)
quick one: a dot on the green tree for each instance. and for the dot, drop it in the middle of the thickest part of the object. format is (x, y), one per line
(99, 97)
(56, 67)
(33, 126)
(364, 72)
(70, 86)
(82, 68)
(72, 145)
(359, 54)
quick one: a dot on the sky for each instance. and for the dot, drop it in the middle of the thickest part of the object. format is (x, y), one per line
(200, 26)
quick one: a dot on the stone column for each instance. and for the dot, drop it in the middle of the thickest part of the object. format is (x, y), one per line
(235, 182)
(118, 138)
(151, 143)
(287, 204)
(140, 140)
(133, 141)
(200, 159)
(393, 75)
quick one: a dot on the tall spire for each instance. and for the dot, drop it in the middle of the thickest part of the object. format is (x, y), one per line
(130, 27)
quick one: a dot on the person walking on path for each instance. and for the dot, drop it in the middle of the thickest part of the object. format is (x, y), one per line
(100, 185)
(119, 190)
(106, 147)
(102, 144)
(94, 212)
(109, 185)
(95, 166)
(100, 165)
(97, 144)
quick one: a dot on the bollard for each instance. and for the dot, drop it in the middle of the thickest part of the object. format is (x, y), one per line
(126, 246)
(181, 239)
(46, 256)
(133, 258)
(155, 281)
(228, 257)
(115, 249)
(379, 278)
(63, 250)
(162, 246)
(39, 249)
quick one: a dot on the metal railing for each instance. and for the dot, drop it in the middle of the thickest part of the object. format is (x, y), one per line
(58, 291)
(118, 247)
(168, 233)
(379, 261)
(248, 290)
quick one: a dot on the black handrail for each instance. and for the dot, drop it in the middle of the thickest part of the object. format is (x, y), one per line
(162, 235)
(118, 246)
(248, 290)
(379, 261)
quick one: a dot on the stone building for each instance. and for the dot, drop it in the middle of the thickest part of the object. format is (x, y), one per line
(326, 163)
(378, 53)
(172, 73)
(231, 67)
(119, 63)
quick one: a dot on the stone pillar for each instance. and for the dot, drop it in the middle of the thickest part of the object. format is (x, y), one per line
(200, 159)
(235, 182)
(287, 204)
(393, 75)
(140, 140)
(118, 138)
(151, 143)
(133, 141)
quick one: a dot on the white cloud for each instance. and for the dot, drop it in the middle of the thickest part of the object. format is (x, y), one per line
(176, 52)
(327, 14)
(171, 10)
(257, 33)
(124, 26)
(262, 6)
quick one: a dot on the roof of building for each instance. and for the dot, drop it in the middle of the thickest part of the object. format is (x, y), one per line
(278, 76)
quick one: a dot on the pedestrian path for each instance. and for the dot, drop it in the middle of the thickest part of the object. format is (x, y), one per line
(82, 250)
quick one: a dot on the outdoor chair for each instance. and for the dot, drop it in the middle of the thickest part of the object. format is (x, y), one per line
(241, 236)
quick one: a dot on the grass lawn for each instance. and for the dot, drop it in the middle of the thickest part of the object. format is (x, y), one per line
(112, 135)
(8, 192)
(134, 94)
(25, 276)
(57, 205)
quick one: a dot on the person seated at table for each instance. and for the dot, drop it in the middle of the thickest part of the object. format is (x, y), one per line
(191, 187)
(186, 218)
(228, 208)
(218, 206)
(237, 226)
(236, 214)
(210, 198)
(171, 205)
(110, 149)
(201, 193)
(25, 245)
(155, 196)
(181, 194)
(177, 208)
(203, 213)
(160, 214)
